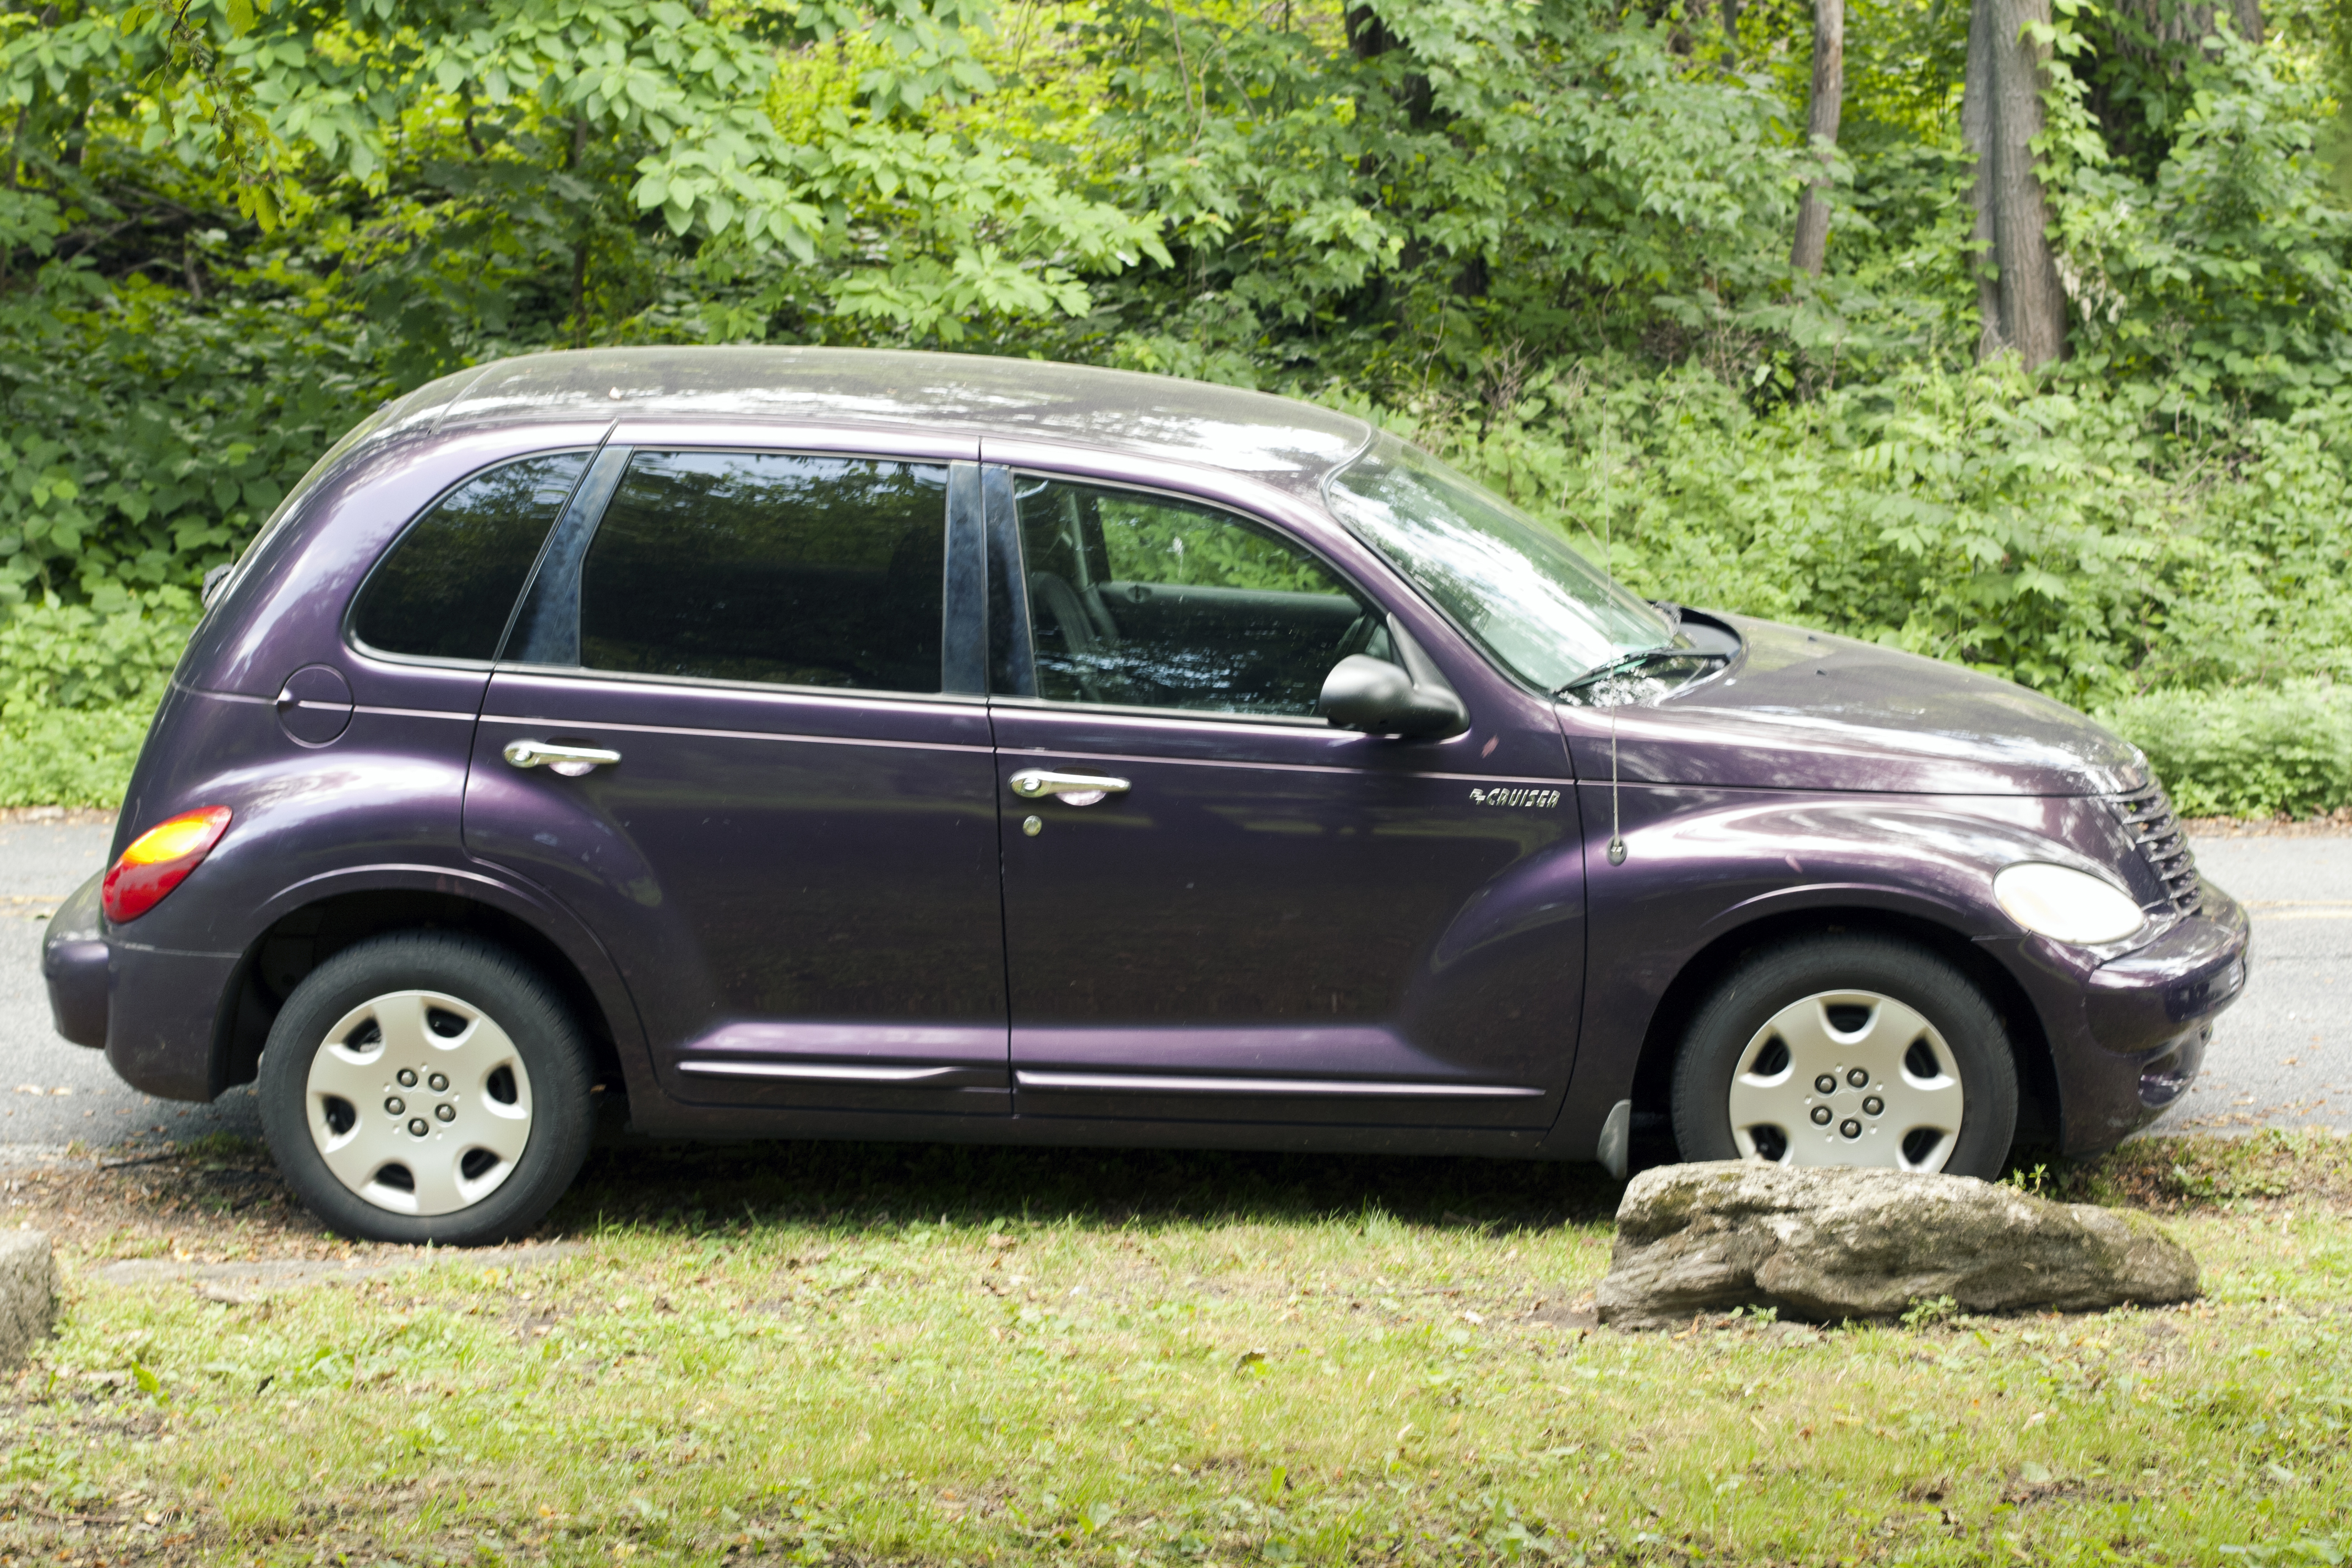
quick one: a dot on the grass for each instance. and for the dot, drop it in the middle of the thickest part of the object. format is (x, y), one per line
(812, 1353)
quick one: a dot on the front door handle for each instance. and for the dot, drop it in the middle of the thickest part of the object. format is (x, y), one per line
(1076, 789)
(570, 760)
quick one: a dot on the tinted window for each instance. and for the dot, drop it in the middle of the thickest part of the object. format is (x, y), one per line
(765, 566)
(1145, 601)
(448, 586)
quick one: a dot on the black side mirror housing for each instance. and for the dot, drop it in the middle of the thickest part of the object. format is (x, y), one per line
(1412, 701)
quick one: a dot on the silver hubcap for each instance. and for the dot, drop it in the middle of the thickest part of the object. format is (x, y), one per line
(1847, 1077)
(418, 1102)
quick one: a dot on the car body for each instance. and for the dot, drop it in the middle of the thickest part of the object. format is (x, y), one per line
(795, 909)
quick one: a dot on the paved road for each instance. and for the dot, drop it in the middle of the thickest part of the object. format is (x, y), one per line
(2282, 1057)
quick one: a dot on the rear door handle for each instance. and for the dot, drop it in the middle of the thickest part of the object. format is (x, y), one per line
(1076, 789)
(570, 760)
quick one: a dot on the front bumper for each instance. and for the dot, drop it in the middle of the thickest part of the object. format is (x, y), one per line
(74, 963)
(2131, 1034)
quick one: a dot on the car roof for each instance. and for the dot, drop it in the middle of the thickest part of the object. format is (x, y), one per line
(1290, 444)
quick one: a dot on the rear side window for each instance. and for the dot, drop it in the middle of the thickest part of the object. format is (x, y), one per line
(769, 566)
(447, 586)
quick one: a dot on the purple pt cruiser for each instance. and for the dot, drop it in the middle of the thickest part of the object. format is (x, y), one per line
(825, 744)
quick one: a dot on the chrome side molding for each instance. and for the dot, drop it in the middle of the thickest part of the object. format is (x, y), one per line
(1178, 1083)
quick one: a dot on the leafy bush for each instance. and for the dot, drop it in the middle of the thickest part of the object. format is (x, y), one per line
(2035, 529)
(2246, 752)
(78, 685)
(141, 441)
(1547, 239)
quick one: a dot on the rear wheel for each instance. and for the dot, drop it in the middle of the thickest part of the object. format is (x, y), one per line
(1847, 1051)
(423, 1086)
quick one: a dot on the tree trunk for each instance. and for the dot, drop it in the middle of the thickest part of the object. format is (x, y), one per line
(1821, 133)
(2021, 303)
(2249, 14)
(1976, 124)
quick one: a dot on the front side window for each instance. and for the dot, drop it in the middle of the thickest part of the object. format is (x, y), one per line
(447, 586)
(1505, 578)
(1142, 600)
(769, 566)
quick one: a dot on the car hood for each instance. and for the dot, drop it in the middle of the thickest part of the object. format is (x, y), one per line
(1798, 710)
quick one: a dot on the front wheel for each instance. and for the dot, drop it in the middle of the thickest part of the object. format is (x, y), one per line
(1847, 1051)
(427, 1088)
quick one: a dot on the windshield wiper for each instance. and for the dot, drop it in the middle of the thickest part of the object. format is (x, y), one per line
(1664, 653)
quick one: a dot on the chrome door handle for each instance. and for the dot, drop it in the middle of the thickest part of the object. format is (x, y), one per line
(570, 760)
(1076, 789)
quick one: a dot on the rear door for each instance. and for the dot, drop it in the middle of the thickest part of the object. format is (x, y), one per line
(1258, 918)
(740, 729)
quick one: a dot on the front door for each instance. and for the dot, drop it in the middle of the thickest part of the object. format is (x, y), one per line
(1258, 918)
(724, 734)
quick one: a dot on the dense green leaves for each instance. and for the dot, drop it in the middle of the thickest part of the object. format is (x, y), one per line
(1973, 516)
(1548, 236)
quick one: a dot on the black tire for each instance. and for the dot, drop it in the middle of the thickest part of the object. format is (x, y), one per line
(494, 985)
(1770, 984)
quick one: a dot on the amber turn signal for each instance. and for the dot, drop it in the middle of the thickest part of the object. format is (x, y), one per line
(160, 860)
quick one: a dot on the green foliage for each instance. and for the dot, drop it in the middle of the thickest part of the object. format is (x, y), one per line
(2284, 751)
(2218, 281)
(1385, 205)
(76, 686)
(144, 442)
(2035, 530)
(1927, 1312)
(1548, 237)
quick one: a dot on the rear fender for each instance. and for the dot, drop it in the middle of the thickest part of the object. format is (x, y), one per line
(472, 885)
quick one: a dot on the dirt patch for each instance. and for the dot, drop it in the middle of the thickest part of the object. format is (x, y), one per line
(217, 1200)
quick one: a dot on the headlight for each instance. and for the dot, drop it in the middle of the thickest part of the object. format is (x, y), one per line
(2067, 905)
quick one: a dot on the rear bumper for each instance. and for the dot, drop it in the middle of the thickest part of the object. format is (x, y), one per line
(74, 961)
(163, 1017)
(2141, 1025)
(155, 1012)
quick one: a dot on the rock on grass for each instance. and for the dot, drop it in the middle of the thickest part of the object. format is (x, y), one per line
(28, 1284)
(1830, 1245)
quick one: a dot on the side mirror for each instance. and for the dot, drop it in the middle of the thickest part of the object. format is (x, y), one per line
(1412, 701)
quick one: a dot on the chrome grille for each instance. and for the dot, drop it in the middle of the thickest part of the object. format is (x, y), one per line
(2155, 831)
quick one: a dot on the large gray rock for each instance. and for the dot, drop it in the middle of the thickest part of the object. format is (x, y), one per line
(1829, 1245)
(28, 1292)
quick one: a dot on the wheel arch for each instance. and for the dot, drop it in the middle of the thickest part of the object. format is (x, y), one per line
(2037, 1081)
(302, 932)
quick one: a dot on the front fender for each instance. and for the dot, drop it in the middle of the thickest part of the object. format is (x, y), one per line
(1703, 864)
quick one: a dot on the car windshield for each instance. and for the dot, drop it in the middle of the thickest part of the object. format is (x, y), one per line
(1511, 583)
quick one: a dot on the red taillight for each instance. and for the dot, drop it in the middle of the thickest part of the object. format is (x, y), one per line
(160, 860)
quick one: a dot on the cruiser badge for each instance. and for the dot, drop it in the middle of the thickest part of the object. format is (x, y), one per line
(1531, 797)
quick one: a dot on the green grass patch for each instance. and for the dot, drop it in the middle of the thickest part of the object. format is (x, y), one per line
(811, 1353)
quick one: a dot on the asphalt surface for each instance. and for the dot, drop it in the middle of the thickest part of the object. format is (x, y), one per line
(2281, 1057)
